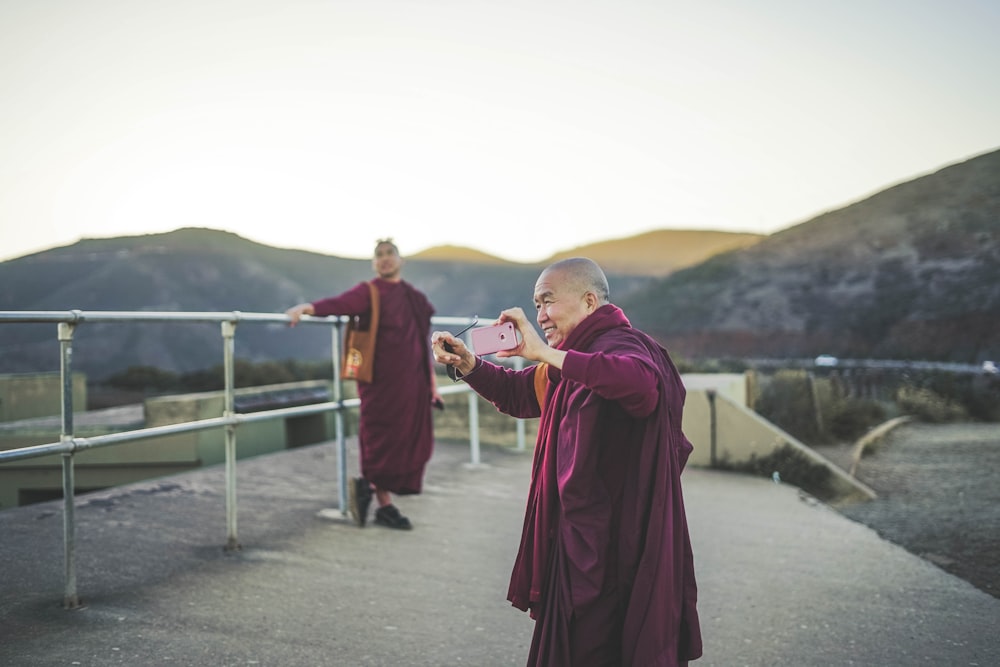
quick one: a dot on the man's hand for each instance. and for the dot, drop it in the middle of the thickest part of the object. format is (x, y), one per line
(451, 351)
(532, 347)
(295, 313)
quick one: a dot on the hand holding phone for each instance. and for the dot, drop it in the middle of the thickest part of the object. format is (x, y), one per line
(489, 340)
(448, 347)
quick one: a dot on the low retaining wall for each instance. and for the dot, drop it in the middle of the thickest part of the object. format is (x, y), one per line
(728, 435)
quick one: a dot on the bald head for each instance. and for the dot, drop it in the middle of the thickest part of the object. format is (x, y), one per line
(583, 275)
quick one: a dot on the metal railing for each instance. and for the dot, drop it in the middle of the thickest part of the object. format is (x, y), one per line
(69, 445)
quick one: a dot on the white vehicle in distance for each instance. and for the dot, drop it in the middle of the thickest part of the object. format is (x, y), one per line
(826, 360)
(990, 367)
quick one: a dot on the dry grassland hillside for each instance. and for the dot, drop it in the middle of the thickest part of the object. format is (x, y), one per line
(657, 253)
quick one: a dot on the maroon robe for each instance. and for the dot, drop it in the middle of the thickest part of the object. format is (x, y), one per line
(395, 434)
(605, 564)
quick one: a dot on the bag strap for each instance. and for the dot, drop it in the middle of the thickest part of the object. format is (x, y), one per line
(373, 323)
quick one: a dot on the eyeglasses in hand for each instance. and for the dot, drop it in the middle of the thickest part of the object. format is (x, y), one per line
(448, 348)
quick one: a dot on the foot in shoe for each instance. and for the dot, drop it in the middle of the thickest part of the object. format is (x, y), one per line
(390, 517)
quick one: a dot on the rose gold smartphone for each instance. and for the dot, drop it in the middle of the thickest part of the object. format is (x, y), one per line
(488, 340)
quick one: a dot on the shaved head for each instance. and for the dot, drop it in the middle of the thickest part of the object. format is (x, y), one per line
(582, 274)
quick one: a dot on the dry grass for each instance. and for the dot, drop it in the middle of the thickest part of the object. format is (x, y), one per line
(656, 253)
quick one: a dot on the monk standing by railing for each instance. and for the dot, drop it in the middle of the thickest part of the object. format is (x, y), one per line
(395, 434)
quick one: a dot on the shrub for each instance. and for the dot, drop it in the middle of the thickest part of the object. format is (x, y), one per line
(850, 418)
(786, 400)
(929, 406)
(792, 467)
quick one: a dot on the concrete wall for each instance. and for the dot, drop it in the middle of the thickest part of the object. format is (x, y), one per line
(252, 439)
(32, 480)
(29, 395)
(37, 479)
(733, 385)
(727, 434)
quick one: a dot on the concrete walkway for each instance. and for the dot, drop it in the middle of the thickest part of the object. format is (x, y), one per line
(783, 581)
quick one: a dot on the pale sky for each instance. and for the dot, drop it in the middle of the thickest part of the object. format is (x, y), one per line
(519, 128)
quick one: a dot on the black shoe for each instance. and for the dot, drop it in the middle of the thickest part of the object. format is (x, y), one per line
(390, 517)
(359, 499)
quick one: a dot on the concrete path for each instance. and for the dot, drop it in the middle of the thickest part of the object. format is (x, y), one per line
(783, 580)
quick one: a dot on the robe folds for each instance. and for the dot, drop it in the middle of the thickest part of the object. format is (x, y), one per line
(605, 565)
(395, 432)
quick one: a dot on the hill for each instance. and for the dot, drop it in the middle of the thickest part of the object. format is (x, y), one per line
(660, 252)
(656, 253)
(910, 272)
(207, 270)
(453, 253)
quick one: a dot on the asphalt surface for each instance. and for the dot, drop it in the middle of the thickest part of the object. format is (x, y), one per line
(939, 496)
(783, 580)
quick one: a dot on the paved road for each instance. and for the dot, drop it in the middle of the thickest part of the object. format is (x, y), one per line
(783, 581)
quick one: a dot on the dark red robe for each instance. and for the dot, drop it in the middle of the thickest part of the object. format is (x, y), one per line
(605, 564)
(395, 434)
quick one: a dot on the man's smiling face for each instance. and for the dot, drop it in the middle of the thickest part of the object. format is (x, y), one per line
(561, 305)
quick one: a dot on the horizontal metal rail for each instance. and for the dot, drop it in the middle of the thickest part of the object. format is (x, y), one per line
(77, 316)
(832, 364)
(69, 445)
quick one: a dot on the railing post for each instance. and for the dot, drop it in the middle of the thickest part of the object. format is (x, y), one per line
(228, 339)
(816, 404)
(338, 418)
(518, 366)
(474, 426)
(473, 418)
(713, 425)
(70, 598)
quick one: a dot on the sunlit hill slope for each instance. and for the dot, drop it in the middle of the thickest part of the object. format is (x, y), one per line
(911, 272)
(656, 253)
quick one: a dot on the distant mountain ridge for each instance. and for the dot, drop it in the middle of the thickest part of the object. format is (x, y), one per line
(454, 253)
(655, 253)
(204, 270)
(661, 252)
(911, 272)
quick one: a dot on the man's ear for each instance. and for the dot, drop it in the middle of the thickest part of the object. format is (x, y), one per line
(593, 303)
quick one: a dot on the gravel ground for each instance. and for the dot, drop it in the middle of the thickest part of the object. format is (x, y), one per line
(939, 496)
